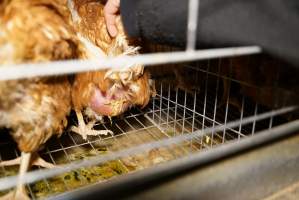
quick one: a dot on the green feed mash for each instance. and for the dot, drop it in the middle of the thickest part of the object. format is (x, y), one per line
(74, 179)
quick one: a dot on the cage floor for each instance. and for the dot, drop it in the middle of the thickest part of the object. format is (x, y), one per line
(134, 129)
(161, 119)
(172, 112)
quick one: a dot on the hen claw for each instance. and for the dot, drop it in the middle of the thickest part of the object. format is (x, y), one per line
(18, 194)
(87, 129)
(38, 161)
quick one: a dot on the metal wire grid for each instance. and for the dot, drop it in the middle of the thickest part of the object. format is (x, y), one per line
(30, 70)
(171, 113)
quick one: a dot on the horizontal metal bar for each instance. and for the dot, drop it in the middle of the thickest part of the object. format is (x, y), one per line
(125, 184)
(20, 71)
(30, 177)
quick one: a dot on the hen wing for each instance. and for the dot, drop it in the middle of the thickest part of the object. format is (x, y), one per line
(33, 31)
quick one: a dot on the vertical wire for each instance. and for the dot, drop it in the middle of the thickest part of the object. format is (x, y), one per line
(271, 122)
(192, 24)
(227, 100)
(193, 116)
(154, 108)
(184, 113)
(168, 107)
(205, 102)
(254, 122)
(241, 117)
(194, 103)
(216, 101)
(175, 110)
(161, 99)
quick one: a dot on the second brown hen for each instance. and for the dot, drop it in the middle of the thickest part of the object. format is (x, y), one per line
(106, 92)
(34, 109)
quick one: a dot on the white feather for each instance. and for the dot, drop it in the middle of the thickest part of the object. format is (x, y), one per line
(76, 18)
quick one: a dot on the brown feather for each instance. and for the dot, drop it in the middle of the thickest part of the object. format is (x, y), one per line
(35, 109)
(92, 26)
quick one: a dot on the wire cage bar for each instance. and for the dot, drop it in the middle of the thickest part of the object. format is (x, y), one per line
(178, 123)
(29, 70)
(183, 120)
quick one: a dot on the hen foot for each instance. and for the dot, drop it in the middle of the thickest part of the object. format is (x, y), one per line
(87, 129)
(18, 194)
(37, 161)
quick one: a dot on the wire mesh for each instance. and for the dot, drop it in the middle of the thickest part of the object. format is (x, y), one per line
(208, 114)
(176, 111)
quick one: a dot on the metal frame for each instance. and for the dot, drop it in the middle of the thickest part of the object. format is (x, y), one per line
(127, 184)
(185, 136)
(177, 130)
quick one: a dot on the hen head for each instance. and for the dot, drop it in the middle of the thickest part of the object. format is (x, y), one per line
(112, 92)
(118, 98)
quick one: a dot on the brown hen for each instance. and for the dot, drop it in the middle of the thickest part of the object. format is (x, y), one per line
(34, 109)
(107, 92)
